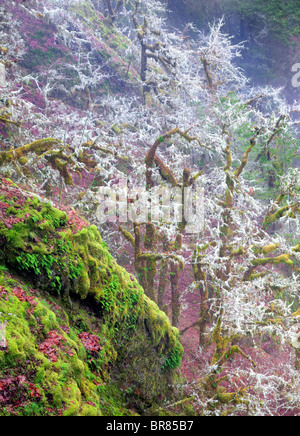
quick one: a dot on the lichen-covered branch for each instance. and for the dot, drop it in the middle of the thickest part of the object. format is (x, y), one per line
(211, 384)
(273, 216)
(208, 75)
(245, 158)
(5, 119)
(127, 235)
(166, 173)
(37, 147)
(53, 151)
(283, 259)
(113, 11)
(201, 281)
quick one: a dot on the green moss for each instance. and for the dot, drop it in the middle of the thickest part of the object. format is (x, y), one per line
(174, 359)
(97, 296)
(37, 57)
(66, 386)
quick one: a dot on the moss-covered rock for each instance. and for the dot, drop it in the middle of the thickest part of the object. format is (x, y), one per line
(84, 292)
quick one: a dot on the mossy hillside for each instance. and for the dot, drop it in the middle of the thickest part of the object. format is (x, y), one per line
(46, 46)
(43, 48)
(40, 377)
(40, 244)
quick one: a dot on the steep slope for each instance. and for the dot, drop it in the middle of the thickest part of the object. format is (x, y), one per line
(87, 341)
(52, 44)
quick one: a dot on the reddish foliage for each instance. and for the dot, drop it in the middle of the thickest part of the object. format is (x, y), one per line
(34, 391)
(14, 196)
(51, 346)
(34, 95)
(90, 342)
(16, 390)
(74, 220)
(3, 291)
(22, 296)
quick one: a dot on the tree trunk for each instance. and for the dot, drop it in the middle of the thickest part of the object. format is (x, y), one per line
(162, 285)
(176, 305)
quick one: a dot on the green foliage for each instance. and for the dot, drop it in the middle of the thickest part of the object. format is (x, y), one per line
(273, 163)
(271, 159)
(37, 57)
(174, 359)
(282, 18)
(49, 266)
